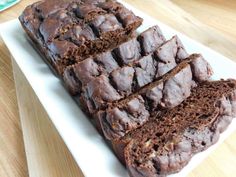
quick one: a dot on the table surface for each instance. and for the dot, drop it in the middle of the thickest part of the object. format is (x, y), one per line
(211, 22)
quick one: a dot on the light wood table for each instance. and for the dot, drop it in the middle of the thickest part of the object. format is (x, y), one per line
(211, 22)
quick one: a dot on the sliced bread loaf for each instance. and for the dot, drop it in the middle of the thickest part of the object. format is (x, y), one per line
(167, 142)
(122, 82)
(79, 74)
(130, 113)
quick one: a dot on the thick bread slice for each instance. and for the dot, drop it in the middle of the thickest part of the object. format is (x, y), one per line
(132, 112)
(128, 53)
(167, 142)
(107, 88)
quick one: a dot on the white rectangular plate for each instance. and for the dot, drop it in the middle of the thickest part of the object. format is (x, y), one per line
(88, 148)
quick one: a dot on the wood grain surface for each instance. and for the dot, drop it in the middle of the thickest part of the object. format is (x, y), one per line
(211, 22)
(46, 153)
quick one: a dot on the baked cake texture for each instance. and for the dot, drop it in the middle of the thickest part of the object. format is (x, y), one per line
(149, 98)
(104, 89)
(166, 143)
(135, 52)
(66, 32)
(168, 92)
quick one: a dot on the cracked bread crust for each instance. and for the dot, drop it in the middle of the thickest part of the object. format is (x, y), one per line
(69, 31)
(127, 80)
(180, 133)
(128, 53)
(131, 113)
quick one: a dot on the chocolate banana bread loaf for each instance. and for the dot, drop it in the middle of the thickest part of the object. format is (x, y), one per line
(166, 143)
(148, 96)
(124, 81)
(66, 32)
(133, 111)
(128, 53)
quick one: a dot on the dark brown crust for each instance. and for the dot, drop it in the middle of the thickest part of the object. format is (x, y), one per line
(128, 53)
(104, 89)
(134, 111)
(167, 143)
(68, 32)
(134, 87)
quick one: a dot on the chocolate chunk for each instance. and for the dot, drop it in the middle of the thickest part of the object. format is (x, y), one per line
(80, 74)
(45, 8)
(120, 119)
(100, 92)
(151, 39)
(200, 67)
(128, 51)
(123, 79)
(105, 23)
(62, 48)
(178, 87)
(127, 17)
(88, 11)
(79, 35)
(169, 55)
(87, 70)
(155, 95)
(146, 70)
(107, 61)
(111, 6)
(49, 29)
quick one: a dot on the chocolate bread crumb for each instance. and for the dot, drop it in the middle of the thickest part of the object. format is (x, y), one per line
(118, 119)
(166, 143)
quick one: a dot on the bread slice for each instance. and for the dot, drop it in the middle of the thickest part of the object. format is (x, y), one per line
(167, 142)
(128, 114)
(128, 53)
(122, 82)
(69, 31)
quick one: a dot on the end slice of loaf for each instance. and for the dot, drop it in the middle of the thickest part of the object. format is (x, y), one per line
(166, 144)
(132, 112)
(66, 32)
